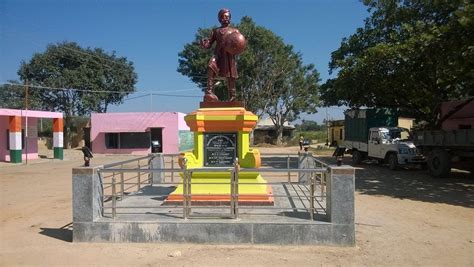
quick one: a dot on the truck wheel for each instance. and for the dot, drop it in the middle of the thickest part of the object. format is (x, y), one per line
(439, 163)
(356, 157)
(393, 161)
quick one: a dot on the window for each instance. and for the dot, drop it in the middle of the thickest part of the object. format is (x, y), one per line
(127, 140)
(134, 140)
(374, 136)
(111, 140)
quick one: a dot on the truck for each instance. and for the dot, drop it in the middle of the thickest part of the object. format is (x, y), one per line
(451, 143)
(374, 134)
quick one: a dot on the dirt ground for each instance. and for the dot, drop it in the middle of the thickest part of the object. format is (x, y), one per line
(402, 218)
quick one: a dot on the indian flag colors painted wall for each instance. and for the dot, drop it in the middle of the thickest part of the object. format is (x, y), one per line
(15, 138)
(58, 139)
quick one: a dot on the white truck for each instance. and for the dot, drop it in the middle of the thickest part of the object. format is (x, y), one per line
(373, 134)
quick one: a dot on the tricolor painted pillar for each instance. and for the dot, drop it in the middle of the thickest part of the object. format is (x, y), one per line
(58, 138)
(15, 139)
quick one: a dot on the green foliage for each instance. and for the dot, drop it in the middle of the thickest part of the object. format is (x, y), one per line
(411, 55)
(272, 77)
(307, 125)
(313, 136)
(67, 65)
(12, 96)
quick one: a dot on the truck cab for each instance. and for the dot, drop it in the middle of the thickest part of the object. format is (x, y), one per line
(375, 134)
(393, 145)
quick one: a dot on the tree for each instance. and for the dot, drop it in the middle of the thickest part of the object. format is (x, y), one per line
(308, 125)
(296, 93)
(12, 95)
(90, 74)
(409, 56)
(272, 77)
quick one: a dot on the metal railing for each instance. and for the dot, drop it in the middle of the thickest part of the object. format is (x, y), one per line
(132, 178)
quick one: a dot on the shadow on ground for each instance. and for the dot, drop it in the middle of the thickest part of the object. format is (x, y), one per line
(64, 233)
(413, 184)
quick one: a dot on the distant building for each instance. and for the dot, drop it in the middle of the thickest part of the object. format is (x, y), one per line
(336, 132)
(265, 131)
(459, 113)
(405, 122)
(19, 134)
(139, 132)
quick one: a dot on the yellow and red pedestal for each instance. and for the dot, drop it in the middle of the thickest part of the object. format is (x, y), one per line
(214, 187)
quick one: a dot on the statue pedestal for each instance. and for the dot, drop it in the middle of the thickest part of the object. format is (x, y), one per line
(221, 135)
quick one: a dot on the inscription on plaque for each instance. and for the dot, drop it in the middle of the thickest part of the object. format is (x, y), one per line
(220, 149)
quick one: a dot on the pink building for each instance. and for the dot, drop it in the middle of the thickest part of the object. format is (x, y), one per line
(19, 134)
(463, 118)
(134, 133)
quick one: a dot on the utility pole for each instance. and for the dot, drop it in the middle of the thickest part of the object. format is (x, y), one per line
(327, 128)
(26, 121)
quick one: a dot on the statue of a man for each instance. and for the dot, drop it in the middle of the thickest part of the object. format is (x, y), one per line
(223, 63)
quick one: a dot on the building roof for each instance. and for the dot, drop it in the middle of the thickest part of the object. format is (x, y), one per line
(336, 123)
(30, 113)
(134, 121)
(267, 124)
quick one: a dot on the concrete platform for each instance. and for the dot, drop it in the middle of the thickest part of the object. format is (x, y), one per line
(142, 217)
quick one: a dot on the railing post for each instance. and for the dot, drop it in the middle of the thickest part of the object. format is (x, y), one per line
(172, 169)
(185, 189)
(236, 182)
(139, 175)
(122, 186)
(234, 190)
(311, 198)
(189, 197)
(101, 179)
(288, 167)
(114, 201)
(323, 182)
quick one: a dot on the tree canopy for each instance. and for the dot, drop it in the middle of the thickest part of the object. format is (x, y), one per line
(410, 55)
(13, 94)
(272, 77)
(91, 78)
(90, 71)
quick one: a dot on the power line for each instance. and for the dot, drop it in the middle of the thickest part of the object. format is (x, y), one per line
(156, 92)
(178, 95)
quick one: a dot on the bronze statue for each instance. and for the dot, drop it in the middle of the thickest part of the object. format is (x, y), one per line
(229, 43)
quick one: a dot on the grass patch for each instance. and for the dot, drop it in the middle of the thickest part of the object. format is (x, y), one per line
(312, 136)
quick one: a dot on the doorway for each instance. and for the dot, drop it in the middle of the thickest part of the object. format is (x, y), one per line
(156, 137)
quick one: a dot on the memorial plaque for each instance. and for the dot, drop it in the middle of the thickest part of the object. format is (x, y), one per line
(220, 149)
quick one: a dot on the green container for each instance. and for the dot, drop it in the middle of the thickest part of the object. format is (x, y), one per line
(358, 122)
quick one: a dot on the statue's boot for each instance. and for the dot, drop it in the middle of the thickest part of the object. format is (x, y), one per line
(209, 95)
(232, 95)
(231, 89)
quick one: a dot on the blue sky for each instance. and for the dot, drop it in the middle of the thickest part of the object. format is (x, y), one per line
(152, 33)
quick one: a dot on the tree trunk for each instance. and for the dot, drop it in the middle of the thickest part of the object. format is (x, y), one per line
(279, 134)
